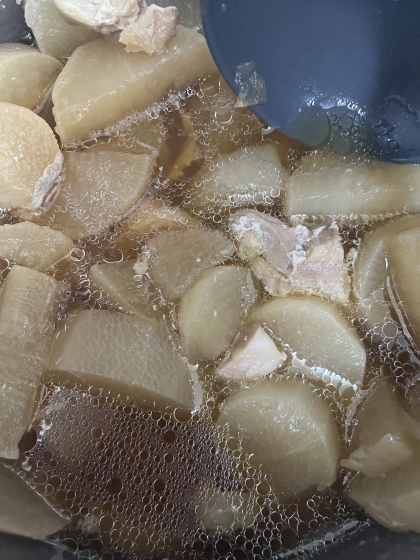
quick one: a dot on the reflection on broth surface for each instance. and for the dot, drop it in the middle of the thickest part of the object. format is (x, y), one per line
(134, 478)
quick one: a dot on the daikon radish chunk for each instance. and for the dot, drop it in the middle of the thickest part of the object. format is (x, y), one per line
(247, 177)
(22, 511)
(369, 272)
(29, 303)
(33, 246)
(101, 84)
(404, 264)
(380, 441)
(223, 511)
(253, 355)
(318, 333)
(120, 284)
(177, 258)
(53, 35)
(98, 190)
(392, 500)
(25, 74)
(124, 353)
(149, 218)
(212, 311)
(291, 432)
(345, 186)
(30, 159)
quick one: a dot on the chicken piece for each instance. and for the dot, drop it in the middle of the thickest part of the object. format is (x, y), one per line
(254, 355)
(153, 28)
(54, 36)
(104, 16)
(297, 259)
(25, 74)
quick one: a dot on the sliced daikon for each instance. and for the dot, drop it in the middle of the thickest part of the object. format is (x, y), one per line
(253, 355)
(124, 353)
(291, 432)
(25, 74)
(29, 303)
(98, 190)
(177, 258)
(53, 35)
(345, 186)
(248, 177)
(223, 511)
(30, 159)
(404, 265)
(380, 441)
(212, 311)
(33, 246)
(151, 217)
(101, 84)
(318, 333)
(393, 499)
(22, 511)
(121, 285)
(369, 272)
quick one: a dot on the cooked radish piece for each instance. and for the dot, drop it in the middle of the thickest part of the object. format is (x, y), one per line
(212, 311)
(22, 511)
(380, 441)
(393, 499)
(318, 333)
(33, 246)
(369, 273)
(30, 159)
(25, 74)
(290, 431)
(248, 177)
(101, 84)
(29, 303)
(98, 190)
(121, 285)
(53, 35)
(404, 264)
(177, 258)
(326, 184)
(129, 354)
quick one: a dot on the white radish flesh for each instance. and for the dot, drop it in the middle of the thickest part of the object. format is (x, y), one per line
(318, 333)
(212, 311)
(290, 430)
(25, 74)
(98, 190)
(29, 303)
(101, 84)
(30, 159)
(177, 258)
(123, 353)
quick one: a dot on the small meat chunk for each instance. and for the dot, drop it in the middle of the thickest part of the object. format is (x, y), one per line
(104, 16)
(254, 355)
(151, 31)
(292, 259)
